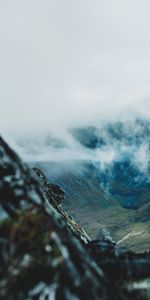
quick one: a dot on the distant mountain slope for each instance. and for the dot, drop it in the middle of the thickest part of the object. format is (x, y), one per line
(132, 132)
(126, 178)
(127, 184)
(82, 188)
(122, 184)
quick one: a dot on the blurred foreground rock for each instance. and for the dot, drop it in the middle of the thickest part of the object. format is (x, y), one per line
(45, 254)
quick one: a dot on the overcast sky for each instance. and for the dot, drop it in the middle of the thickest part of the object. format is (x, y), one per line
(67, 63)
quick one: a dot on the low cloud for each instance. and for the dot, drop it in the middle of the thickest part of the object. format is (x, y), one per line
(67, 64)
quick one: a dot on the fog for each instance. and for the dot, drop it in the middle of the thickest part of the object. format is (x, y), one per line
(67, 64)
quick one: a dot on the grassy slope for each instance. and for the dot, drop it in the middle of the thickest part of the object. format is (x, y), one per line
(119, 222)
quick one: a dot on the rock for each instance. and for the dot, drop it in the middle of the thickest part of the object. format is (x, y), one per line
(54, 195)
(17, 185)
(53, 192)
(40, 254)
(102, 248)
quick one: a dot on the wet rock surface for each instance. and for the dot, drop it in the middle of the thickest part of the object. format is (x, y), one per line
(45, 254)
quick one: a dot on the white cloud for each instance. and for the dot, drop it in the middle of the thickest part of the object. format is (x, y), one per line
(72, 63)
(141, 158)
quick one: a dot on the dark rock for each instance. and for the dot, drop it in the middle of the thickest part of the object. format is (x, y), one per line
(103, 248)
(53, 191)
(40, 255)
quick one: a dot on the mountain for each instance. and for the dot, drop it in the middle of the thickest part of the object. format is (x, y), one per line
(113, 196)
(131, 132)
(126, 178)
(82, 186)
(112, 159)
(94, 210)
(46, 254)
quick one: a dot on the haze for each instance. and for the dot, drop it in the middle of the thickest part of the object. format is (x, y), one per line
(72, 63)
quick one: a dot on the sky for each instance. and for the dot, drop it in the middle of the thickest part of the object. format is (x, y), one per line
(72, 63)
